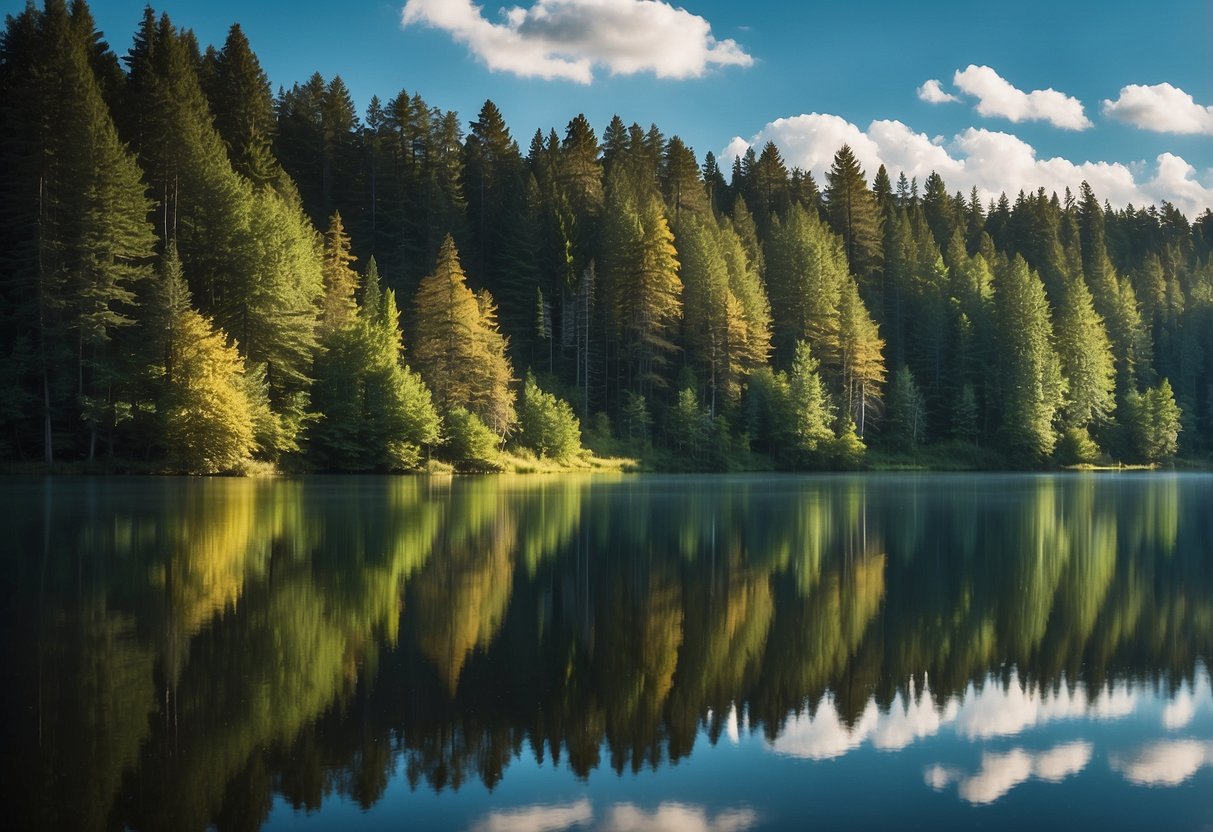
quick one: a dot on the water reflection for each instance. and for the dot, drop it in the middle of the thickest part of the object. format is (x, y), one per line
(186, 651)
(1000, 773)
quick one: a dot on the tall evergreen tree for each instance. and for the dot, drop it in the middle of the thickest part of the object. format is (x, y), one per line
(457, 349)
(806, 270)
(239, 95)
(1086, 358)
(1032, 388)
(640, 269)
(851, 209)
(76, 241)
(206, 419)
(340, 279)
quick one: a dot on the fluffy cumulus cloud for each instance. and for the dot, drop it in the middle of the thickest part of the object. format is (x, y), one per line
(1000, 773)
(1161, 108)
(567, 39)
(676, 817)
(992, 161)
(538, 818)
(1166, 763)
(621, 817)
(996, 96)
(933, 92)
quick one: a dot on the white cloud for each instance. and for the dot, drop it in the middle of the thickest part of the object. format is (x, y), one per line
(1000, 773)
(1179, 712)
(677, 817)
(1166, 763)
(1059, 763)
(933, 92)
(567, 39)
(997, 96)
(992, 161)
(1161, 108)
(538, 818)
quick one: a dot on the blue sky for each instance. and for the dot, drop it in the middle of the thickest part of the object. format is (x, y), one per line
(807, 75)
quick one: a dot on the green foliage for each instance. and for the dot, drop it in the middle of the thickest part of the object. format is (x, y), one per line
(640, 265)
(468, 443)
(699, 441)
(376, 414)
(905, 418)
(615, 266)
(846, 452)
(458, 348)
(808, 403)
(546, 424)
(1031, 385)
(1086, 358)
(635, 421)
(1076, 448)
(206, 418)
(806, 267)
(1152, 420)
(965, 414)
(851, 208)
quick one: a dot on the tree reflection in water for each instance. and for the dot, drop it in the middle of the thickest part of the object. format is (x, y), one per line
(186, 649)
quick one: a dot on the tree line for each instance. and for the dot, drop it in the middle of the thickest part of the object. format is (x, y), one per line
(198, 272)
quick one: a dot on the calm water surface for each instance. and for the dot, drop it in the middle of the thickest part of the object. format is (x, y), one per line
(593, 653)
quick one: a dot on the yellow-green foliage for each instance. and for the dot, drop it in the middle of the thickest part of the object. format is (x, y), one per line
(208, 425)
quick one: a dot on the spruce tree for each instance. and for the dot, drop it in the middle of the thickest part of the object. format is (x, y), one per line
(340, 280)
(205, 417)
(852, 213)
(76, 241)
(640, 269)
(806, 269)
(239, 95)
(1031, 386)
(457, 348)
(1086, 358)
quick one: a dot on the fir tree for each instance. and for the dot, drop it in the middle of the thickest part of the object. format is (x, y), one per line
(1031, 384)
(851, 209)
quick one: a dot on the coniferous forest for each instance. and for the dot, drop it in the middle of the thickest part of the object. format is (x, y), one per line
(198, 273)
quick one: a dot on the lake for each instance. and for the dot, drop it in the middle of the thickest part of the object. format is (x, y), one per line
(691, 654)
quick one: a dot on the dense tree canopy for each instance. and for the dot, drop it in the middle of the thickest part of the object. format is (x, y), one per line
(622, 268)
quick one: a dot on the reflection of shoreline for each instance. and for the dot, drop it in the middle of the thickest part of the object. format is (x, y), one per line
(324, 632)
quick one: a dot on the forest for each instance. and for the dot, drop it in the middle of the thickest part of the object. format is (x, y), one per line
(200, 275)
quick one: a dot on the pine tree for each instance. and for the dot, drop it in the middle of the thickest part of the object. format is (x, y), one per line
(206, 421)
(1153, 422)
(851, 209)
(76, 241)
(375, 413)
(239, 95)
(680, 181)
(1032, 388)
(458, 349)
(492, 174)
(859, 352)
(939, 209)
(1086, 358)
(770, 187)
(640, 268)
(713, 319)
(340, 281)
(810, 408)
(806, 270)
(905, 420)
